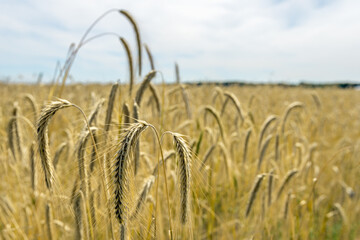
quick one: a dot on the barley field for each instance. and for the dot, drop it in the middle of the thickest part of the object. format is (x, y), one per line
(178, 161)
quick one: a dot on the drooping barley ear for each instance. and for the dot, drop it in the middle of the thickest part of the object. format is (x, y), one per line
(32, 165)
(270, 184)
(29, 98)
(214, 113)
(277, 147)
(81, 160)
(341, 210)
(156, 97)
(218, 93)
(143, 86)
(263, 150)
(184, 174)
(43, 140)
(10, 132)
(228, 166)
(93, 154)
(137, 33)
(253, 192)
(286, 180)
(186, 101)
(236, 103)
(58, 152)
(246, 144)
(264, 127)
(78, 217)
(121, 165)
(92, 209)
(137, 144)
(74, 190)
(95, 112)
(177, 73)
(110, 107)
(151, 59)
(207, 156)
(287, 203)
(14, 134)
(317, 101)
(49, 222)
(142, 196)
(291, 107)
(126, 114)
(130, 64)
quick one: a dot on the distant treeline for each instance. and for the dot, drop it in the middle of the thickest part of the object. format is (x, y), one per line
(305, 85)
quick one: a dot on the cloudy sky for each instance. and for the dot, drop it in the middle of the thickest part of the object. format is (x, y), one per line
(256, 41)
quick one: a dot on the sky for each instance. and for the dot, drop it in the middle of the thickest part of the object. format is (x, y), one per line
(266, 41)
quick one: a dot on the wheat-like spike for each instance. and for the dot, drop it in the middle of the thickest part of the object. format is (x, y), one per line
(143, 86)
(270, 184)
(42, 137)
(264, 127)
(137, 33)
(142, 196)
(126, 114)
(95, 112)
(58, 152)
(78, 216)
(207, 155)
(186, 101)
(156, 97)
(130, 63)
(110, 106)
(214, 113)
(316, 99)
(277, 143)
(177, 73)
(49, 222)
(184, 164)
(151, 59)
(32, 165)
(81, 160)
(137, 144)
(291, 107)
(287, 203)
(253, 193)
(29, 98)
(92, 209)
(263, 150)
(121, 167)
(247, 139)
(93, 154)
(14, 130)
(10, 133)
(236, 103)
(341, 210)
(286, 180)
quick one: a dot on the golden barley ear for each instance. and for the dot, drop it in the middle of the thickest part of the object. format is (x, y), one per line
(121, 168)
(253, 193)
(130, 63)
(184, 164)
(137, 33)
(43, 140)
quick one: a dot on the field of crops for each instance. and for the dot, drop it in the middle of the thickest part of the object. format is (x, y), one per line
(261, 162)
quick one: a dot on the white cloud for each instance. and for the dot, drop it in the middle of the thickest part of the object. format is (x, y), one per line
(255, 40)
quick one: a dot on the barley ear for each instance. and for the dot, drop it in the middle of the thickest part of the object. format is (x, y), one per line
(43, 140)
(137, 34)
(253, 193)
(130, 63)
